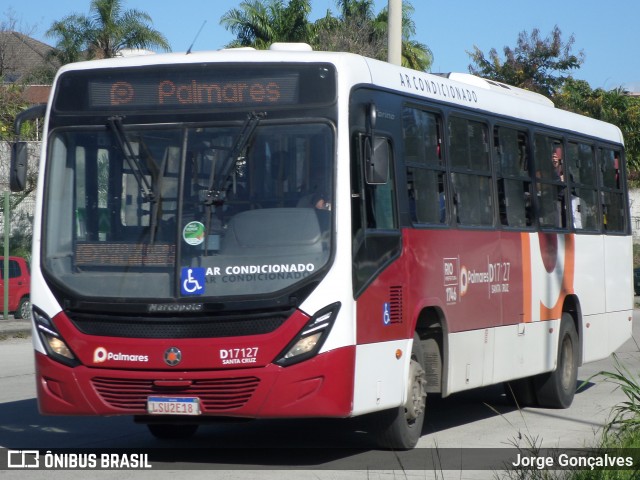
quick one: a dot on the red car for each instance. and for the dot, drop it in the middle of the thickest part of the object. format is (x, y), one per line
(19, 285)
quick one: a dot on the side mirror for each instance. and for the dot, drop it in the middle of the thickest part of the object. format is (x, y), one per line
(376, 158)
(18, 171)
(19, 153)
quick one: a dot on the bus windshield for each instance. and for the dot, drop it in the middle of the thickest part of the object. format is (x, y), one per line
(170, 211)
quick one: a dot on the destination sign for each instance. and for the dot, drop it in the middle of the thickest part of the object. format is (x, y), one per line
(194, 87)
(195, 91)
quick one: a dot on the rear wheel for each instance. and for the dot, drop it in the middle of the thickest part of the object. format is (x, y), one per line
(400, 428)
(556, 389)
(167, 431)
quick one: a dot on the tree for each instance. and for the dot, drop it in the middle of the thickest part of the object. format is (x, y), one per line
(613, 106)
(415, 55)
(105, 32)
(540, 65)
(12, 103)
(356, 29)
(257, 24)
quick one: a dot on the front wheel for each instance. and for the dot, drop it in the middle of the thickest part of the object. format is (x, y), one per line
(400, 428)
(556, 389)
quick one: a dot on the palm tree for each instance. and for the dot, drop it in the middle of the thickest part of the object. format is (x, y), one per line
(415, 55)
(105, 32)
(359, 30)
(258, 24)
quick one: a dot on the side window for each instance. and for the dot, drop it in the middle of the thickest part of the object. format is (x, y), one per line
(551, 186)
(91, 212)
(514, 180)
(613, 205)
(425, 168)
(14, 269)
(380, 198)
(471, 173)
(376, 239)
(581, 171)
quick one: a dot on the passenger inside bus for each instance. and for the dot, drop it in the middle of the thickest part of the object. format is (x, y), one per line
(556, 160)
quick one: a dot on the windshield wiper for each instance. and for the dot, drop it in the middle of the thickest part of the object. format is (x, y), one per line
(135, 164)
(133, 160)
(217, 190)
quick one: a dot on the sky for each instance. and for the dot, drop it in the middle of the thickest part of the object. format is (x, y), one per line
(605, 31)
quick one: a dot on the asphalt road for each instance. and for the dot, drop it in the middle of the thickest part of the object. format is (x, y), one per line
(482, 418)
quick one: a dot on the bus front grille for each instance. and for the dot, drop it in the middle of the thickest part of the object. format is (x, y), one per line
(216, 395)
(176, 327)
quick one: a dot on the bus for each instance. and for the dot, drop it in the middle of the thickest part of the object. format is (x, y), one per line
(246, 234)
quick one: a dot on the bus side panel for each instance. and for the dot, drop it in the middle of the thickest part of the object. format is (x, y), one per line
(514, 351)
(381, 370)
(525, 349)
(604, 333)
(618, 258)
(609, 325)
(590, 274)
(464, 270)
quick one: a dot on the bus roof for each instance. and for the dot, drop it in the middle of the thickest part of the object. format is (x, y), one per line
(461, 89)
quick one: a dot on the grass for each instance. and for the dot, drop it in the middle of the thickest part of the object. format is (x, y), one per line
(620, 437)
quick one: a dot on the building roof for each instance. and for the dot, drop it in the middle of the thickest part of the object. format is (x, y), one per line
(21, 55)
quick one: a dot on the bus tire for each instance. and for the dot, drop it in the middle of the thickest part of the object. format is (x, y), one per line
(400, 428)
(556, 389)
(172, 431)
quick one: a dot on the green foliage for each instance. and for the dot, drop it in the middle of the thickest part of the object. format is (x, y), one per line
(625, 421)
(621, 437)
(636, 255)
(13, 103)
(613, 106)
(536, 64)
(357, 29)
(258, 24)
(107, 30)
(543, 66)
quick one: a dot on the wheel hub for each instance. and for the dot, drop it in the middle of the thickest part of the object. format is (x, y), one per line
(416, 393)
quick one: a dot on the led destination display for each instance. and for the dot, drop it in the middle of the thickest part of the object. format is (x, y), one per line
(195, 87)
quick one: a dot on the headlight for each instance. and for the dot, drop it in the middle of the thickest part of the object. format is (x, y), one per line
(311, 338)
(52, 340)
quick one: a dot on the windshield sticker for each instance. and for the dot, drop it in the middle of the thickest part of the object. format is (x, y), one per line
(253, 273)
(192, 281)
(193, 233)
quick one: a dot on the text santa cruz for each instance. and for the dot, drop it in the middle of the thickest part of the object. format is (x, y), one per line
(424, 85)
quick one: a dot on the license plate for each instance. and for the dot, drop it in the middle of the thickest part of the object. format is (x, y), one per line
(173, 406)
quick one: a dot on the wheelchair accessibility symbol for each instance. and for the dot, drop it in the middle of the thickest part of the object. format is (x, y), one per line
(192, 281)
(386, 313)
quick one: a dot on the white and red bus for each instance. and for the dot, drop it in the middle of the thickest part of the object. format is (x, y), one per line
(287, 233)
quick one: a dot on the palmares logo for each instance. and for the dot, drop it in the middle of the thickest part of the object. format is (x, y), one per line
(101, 355)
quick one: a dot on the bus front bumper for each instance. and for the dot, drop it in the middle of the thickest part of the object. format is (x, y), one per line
(319, 387)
